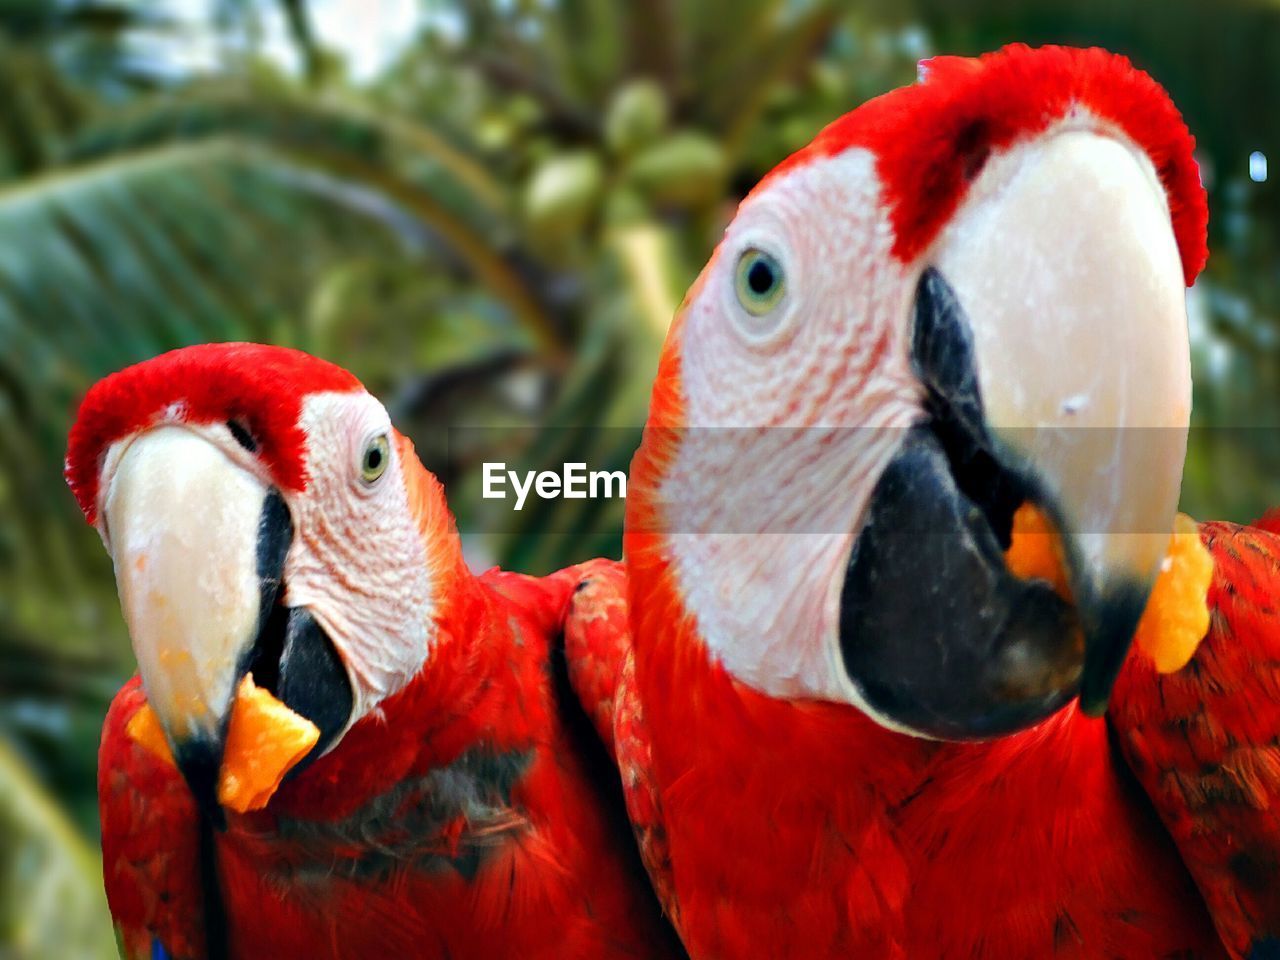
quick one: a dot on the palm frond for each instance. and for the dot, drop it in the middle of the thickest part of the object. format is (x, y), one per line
(51, 900)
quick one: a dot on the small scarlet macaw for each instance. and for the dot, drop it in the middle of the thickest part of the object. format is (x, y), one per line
(847, 724)
(279, 548)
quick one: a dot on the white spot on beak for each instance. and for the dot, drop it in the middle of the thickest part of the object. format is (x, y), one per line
(1074, 404)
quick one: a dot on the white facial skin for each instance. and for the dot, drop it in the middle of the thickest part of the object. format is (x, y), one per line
(762, 516)
(357, 561)
(762, 520)
(180, 509)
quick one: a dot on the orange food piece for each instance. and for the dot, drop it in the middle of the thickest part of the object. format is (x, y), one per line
(265, 740)
(144, 729)
(1035, 550)
(1177, 614)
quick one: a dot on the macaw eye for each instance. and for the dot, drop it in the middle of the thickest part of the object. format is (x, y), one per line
(374, 462)
(759, 281)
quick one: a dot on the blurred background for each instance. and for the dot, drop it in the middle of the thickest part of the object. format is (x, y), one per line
(488, 210)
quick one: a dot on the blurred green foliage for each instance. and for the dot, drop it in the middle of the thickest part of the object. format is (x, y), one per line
(493, 229)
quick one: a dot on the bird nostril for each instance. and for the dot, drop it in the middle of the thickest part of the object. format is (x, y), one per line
(242, 435)
(973, 144)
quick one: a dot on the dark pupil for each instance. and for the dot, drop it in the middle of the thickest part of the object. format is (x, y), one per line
(373, 459)
(760, 277)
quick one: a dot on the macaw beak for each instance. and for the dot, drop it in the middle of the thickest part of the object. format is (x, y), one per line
(199, 546)
(1050, 336)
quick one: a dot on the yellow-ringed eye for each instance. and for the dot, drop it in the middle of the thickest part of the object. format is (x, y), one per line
(759, 281)
(376, 457)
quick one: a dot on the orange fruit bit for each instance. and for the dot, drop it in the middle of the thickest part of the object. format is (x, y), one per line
(1177, 615)
(1035, 551)
(144, 729)
(265, 740)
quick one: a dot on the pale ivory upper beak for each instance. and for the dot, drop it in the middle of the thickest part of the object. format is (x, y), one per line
(181, 523)
(1064, 259)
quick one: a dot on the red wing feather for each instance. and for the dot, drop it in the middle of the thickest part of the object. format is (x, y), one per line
(602, 671)
(150, 842)
(1205, 741)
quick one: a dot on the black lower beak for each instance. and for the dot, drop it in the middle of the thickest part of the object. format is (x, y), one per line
(290, 655)
(310, 679)
(199, 759)
(936, 632)
(1111, 622)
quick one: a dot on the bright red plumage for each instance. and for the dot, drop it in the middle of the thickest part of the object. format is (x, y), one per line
(761, 828)
(513, 849)
(1205, 741)
(150, 841)
(472, 814)
(797, 828)
(930, 138)
(598, 651)
(806, 830)
(263, 386)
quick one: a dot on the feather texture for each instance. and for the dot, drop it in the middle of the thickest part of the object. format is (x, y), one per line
(602, 671)
(1205, 741)
(466, 816)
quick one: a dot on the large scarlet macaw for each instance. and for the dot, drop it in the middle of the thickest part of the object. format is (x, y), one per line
(266, 520)
(847, 727)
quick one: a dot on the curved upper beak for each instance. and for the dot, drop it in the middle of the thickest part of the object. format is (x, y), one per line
(1051, 338)
(199, 546)
(1074, 287)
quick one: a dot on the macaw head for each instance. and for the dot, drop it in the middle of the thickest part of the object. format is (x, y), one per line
(964, 296)
(263, 517)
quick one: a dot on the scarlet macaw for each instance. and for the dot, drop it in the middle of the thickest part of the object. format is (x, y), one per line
(847, 727)
(265, 519)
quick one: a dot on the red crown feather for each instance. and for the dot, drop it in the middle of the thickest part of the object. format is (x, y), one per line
(261, 387)
(930, 139)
